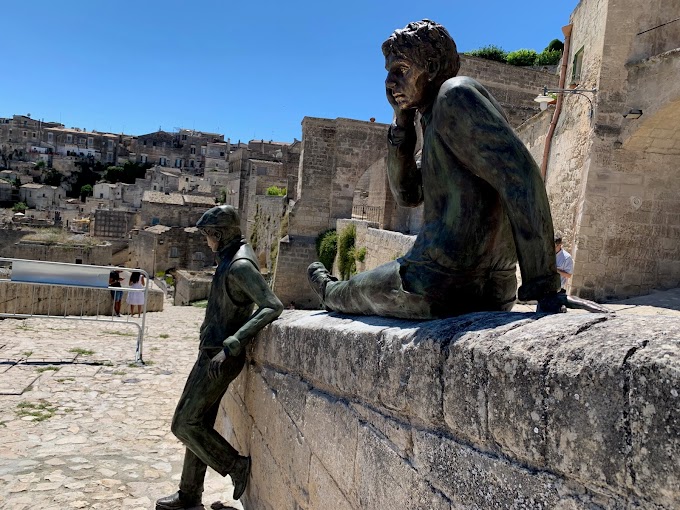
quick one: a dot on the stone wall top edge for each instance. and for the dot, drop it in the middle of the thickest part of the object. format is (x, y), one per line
(501, 65)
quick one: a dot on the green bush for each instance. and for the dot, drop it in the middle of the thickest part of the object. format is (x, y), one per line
(548, 58)
(522, 57)
(490, 52)
(327, 247)
(347, 264)
(361, 254)
(276, 191)
(19, 207)
(554, 45)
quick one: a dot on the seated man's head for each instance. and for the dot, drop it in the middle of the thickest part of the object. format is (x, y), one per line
(418, 59)
(558, 242)
(220, 225)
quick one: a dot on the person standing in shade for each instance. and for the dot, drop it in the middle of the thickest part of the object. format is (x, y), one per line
(117, 295)
(564, 262)
(229, 324)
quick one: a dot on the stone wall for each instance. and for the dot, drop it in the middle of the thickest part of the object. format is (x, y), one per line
(191, 286)
(382, 246)
(612, 181)
(114, 224)
(484, 411)
(335, 154)
(73, 254)
(513, 87)
(265, 232)
(55, 300)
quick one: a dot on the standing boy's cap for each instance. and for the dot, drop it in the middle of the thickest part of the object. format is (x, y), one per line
(220, 216)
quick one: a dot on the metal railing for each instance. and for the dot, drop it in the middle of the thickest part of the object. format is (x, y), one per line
(59, 290)
(371, 213)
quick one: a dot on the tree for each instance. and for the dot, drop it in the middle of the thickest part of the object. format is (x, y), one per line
(52, 177)
(85, 191)
(19, 207)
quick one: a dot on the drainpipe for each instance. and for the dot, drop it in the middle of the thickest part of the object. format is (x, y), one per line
(566, 30)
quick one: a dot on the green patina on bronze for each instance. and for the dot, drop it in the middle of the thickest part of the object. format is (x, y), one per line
(485, 205)
(228, 326)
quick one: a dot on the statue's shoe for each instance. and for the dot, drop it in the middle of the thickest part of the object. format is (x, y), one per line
(240, 476)
(179, 501)
(319, 277)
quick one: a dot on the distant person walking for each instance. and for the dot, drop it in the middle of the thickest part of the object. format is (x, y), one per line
(136, 299)
(117, 295)
(563, 260)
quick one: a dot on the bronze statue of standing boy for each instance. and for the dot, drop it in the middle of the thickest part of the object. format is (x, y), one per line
(228, 326)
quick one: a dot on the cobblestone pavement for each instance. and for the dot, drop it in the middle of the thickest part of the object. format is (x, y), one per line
(82, 426)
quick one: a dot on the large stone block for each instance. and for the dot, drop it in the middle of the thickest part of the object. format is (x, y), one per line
(331, 429)
(475, 480)
(386, 480)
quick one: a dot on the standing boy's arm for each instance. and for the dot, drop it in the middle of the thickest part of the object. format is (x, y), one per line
(251, 283)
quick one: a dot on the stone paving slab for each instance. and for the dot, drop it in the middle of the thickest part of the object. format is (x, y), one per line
(96, 436)
(15, 381)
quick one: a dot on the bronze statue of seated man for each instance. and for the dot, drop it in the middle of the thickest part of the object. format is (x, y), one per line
(484, 202)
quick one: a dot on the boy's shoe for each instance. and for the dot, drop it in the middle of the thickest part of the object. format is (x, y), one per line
(240, 475)
(319, 277)
(179, 501)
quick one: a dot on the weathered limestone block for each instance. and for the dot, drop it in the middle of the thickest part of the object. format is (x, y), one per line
(482, 411)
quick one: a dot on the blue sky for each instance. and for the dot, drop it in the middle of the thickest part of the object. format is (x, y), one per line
(243, 68)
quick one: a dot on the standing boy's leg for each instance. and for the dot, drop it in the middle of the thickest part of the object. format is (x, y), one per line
(193, 424)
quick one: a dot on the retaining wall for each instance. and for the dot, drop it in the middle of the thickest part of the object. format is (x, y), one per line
(483, 411)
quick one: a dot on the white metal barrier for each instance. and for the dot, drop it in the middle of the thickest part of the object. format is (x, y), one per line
(58, 290)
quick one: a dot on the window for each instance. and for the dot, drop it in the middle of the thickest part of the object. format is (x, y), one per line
(34, 135)
(144, 142)
(69, 138)
(50, 136)
(154, 144)
(101, 195)
(81, 141)
(110, 144)
(191, 163)
(261, 170)
(193, 150)
(109, 157)
(184, 137)
(25, 133)
(174, 252)
(154, 221)
(178, 163)
(90, 141)
(202, 151)
(199, 255)
(143, 158)
(577, 66)
(222, 154)
(162, 161)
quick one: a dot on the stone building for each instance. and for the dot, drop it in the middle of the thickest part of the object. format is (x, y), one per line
(161, 248)
(112, 223)
(612, 179)
(41, 196)
(334, 155)
(173, 209)
(260, 165)
(184, 149)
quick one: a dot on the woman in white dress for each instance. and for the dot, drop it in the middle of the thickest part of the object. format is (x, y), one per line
(136, 299)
